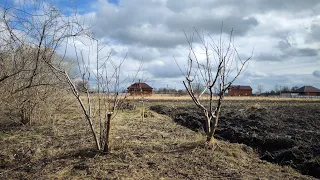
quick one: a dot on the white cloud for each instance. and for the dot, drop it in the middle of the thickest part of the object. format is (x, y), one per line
(285, 36)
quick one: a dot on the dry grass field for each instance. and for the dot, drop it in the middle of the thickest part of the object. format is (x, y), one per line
(156, 148)
(169, 97)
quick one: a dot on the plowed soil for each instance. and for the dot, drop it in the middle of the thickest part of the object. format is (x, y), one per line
(283, 132)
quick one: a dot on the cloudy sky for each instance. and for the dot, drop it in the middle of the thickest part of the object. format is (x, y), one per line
(285, 36)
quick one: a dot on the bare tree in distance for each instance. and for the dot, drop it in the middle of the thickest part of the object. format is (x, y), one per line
(220, 66)
(294, 88)
(285, 89)
(260, 89)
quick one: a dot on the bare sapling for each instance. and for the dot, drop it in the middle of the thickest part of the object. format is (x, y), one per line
(216, 67)
(112, 85)
(107, 95)
(102, 103)
(142, 101)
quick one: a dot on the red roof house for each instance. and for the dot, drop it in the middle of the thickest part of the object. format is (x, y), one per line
(307, 91)
(238, 90)
(140, 88)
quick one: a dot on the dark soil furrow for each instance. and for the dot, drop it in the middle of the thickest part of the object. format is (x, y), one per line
(283, 133)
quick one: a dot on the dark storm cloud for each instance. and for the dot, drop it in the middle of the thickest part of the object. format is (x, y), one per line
(151, 39)
(314, 35)
(213, 24)
(286, 55)
(305, 52)
(284, 44)
(153, 24)
(161, 23)
(268, 57)
(291, 51)
(287, 51)
(284, 5)
(143, 54)
(148, 54)
(316, 73)
(167, 70)
(245, 6)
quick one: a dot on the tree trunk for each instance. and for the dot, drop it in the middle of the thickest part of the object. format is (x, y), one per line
(210, 142)
(93, 131)
(142, 113)
(107, 144)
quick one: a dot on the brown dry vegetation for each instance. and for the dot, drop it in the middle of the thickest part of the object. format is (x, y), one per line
(156, 148)
(169, 97)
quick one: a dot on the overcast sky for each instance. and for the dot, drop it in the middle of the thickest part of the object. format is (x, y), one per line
(285, 36)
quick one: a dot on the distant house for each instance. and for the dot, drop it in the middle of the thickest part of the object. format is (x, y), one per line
(238, 90)
(138, 88)
(288, 93)
(307, 91)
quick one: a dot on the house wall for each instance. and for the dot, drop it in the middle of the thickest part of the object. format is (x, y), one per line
(285, 94)
(311, 94)
(235, 92)
(138, 93)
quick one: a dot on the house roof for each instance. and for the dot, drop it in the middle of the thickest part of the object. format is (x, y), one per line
(238, 87)
(136, 86)
(307, 89)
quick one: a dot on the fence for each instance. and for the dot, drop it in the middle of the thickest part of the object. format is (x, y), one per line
(298, 96)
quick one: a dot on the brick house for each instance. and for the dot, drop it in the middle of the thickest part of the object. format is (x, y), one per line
(307, 91)
(238, 90)
(136, 88)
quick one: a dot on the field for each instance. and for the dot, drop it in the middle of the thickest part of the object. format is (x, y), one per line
(283, 132)
(169, 145)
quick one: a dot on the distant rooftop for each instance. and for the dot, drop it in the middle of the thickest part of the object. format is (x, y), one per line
(307, 89)
(143, 86)
(239, 87)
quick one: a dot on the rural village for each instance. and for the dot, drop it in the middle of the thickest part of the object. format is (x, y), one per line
(139, 88)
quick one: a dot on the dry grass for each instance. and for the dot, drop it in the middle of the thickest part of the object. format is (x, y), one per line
(169, 97)
(155, 148)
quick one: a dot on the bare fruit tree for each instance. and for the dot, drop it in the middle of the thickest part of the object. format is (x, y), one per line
(215, 65)
(101, 104)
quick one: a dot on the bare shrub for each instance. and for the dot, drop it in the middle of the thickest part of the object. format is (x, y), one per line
(27, 103)
(30, 36)
(214, 73)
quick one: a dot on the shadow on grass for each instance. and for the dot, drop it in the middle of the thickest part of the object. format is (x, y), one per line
(185, 147)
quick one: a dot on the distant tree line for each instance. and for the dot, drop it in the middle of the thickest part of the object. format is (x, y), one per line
(169, 91)
(198, 88)
(277, 90)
